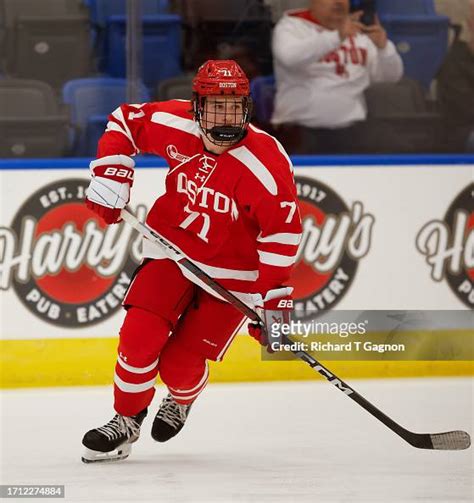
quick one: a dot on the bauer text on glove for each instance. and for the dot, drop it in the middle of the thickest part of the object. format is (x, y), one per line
(109, 190)
(274, 309)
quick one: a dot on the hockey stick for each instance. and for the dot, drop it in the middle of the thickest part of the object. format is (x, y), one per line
(450, 440)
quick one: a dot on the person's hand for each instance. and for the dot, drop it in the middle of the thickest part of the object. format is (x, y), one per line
(109, 189)
(376, 33)
(274, 309)
(351, 25)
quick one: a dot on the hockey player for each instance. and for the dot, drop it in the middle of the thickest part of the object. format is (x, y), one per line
(230, 205)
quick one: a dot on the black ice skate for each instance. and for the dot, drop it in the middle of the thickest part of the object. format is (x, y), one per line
(169, 419)
(114, 440)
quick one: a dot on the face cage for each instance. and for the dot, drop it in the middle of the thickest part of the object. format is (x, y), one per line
(229, 133)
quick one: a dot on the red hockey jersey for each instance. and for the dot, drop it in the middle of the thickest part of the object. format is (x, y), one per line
(235, 214)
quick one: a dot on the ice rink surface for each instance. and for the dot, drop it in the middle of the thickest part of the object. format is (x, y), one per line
(272, 442)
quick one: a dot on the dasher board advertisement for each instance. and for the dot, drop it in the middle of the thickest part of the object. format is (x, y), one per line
(374, 237)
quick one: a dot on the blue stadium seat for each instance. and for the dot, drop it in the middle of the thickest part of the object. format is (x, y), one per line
(95, 128)
(262, 90)
(101, 10)
(90, 101)
(420, 34)
(421, 40)
(161, 47)
(406, 7)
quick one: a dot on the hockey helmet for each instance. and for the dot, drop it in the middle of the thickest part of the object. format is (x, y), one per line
(225, 124)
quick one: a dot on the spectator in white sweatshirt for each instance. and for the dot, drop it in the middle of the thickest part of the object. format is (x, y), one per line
(324, 59)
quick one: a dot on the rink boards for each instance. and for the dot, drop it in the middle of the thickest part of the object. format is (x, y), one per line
(379, 234)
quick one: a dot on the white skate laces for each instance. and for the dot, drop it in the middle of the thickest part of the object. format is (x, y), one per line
(172, 412)
(120, 425)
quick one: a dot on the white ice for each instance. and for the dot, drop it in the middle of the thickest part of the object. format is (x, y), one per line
(272, 442)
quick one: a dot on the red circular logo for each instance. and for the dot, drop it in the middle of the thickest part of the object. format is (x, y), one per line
(74, 270)
(335, 237)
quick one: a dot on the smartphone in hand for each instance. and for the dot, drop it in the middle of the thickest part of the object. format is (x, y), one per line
(369, 9)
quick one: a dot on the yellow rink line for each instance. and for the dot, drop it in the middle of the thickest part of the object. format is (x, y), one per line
(76, 362)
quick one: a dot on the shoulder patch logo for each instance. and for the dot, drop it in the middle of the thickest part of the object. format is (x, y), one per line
(173, 153)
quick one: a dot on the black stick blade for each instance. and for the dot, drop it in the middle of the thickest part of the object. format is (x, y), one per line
(451, 440)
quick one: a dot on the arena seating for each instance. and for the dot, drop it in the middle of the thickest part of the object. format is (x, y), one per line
(420, 34)
(410, 8)
(175, 88)
(399, 118)
(46, 40)
(101, 10)
(108, 23)
(90, 101)
(32, 124)
(161, 47)
(58, 41)
(263, 90)
(209, 24)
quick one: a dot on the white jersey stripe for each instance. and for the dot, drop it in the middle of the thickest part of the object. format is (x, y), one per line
(276, 259)
(278, 144)
(285, 155)
(176, 122)
(221, 273)
(137, 370)
(113, 126)
(118, 114)
(284, 238)
(133, 388)
(262, 173)
(151, 250)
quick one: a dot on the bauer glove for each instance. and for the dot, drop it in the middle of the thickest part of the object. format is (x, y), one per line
(274, 309)
(109, 190)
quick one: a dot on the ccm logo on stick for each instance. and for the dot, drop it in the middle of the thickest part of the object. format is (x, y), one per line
(285, 304)
(120, 172)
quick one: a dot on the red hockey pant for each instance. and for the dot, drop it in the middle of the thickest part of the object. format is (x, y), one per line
(171, 328)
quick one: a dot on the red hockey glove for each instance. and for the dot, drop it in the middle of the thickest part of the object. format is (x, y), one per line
(274, 310)
(109, 189)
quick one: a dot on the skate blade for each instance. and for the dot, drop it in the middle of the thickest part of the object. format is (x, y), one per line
(118, 454)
